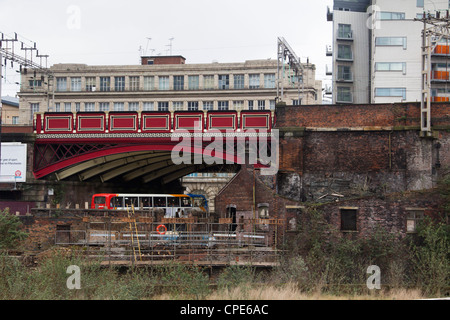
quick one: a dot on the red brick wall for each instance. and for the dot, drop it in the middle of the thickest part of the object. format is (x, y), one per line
(366, 115)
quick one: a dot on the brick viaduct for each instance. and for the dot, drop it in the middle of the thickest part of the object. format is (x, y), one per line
(353, 157)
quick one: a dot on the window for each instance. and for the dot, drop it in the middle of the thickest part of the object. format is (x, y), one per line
(35, 83)
(77, 106)
(391, 16)
(239, 81)
(297, 102)
(238, 105)
(133, 106)
(119, 84)
(119, 106)
(131, 202)
(34, 108)
(413, 218)
(178, 105)
(208, 82)
(90, 84)
(250, 105)
(254, 81)
(344, 73)
(89, 106)
(261, 105)
(390, 92)
(272, 104)
(75, 84)
(224, 82)
(348, 219)
(15, 120)
(208, 105)
(178, 83)
(104, 106)
(149, 106)
(134, 83)
(149, 83)
(269, 81)
(193, 82)
(61, 84)
(193, 106)
(391, 42)
(345, 52)
(223, 105)
(67, 107)
(163, 106)
(345, 31)
(105, 84)
(420, 3)
(160, 202)
(344, 94)
(391, 66)
(164, 83)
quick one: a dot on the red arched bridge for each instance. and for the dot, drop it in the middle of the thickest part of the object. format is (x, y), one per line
(142, 145)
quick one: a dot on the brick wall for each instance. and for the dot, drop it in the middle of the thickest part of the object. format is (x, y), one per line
(366, 115)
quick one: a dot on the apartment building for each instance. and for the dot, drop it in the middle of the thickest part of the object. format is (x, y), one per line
(377, 51)
(163, 84)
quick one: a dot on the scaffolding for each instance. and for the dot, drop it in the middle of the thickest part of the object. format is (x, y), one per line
(134, 240)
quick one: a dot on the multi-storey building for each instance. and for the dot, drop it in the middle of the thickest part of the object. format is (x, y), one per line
(163, 84)
(377, 51)
(10, 110)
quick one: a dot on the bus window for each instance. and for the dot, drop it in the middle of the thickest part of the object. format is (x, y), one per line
(99, 200)
(159, 202)
(186, 202)
(131, 201)
(117, 202)
(146, 202)
(173, 202)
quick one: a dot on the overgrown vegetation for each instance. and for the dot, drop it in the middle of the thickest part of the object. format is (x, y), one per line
(321, 264)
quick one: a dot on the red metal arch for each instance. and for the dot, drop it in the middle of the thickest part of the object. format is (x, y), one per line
(63, 164)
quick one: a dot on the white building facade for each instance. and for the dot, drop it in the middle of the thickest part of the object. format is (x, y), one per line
(377, 50)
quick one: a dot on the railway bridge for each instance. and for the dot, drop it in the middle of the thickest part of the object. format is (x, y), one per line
(338, 154)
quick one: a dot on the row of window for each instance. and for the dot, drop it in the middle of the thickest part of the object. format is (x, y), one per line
(345, 51)
(345, 72)
(344, 94)
(158, 106)
(150, 83)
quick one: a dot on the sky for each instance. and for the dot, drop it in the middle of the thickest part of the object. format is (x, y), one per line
(100, 32)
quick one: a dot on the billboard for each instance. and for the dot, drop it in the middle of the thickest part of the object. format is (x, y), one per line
(13, 165)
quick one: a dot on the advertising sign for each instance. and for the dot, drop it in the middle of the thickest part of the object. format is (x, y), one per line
(13, 165)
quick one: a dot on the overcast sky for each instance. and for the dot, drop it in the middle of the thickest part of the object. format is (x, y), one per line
(100, 32)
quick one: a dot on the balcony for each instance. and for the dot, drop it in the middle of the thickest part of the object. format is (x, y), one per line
(344, 96)
(344, 77)
(440, 76)
(441, 50)
(345, 35)
(329, 14)
(440, 99)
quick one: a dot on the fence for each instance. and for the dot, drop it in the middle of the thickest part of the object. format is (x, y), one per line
(197, 243)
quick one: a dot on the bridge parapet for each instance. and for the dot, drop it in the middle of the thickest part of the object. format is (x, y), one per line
(119, 124)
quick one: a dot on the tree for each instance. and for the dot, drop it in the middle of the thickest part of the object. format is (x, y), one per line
(10, 231)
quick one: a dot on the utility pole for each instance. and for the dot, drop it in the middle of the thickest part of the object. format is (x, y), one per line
(435, 28)
(8, 53)
(285, 52)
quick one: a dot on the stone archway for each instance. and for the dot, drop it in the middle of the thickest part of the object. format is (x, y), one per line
(207, 186)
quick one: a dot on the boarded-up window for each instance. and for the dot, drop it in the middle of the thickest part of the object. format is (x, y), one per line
(348, 219)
